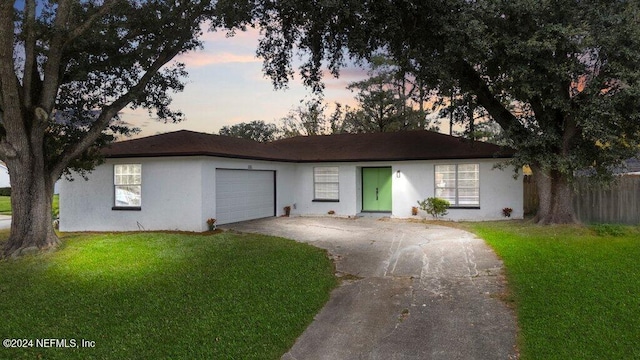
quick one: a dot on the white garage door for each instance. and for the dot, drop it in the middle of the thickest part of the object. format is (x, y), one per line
(244, 195)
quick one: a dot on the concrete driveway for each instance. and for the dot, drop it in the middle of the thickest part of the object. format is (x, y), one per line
(411, 291)
(5, 222)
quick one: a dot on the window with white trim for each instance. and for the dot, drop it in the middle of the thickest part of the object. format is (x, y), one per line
(127, 181)
(326, 185)
(459, 184)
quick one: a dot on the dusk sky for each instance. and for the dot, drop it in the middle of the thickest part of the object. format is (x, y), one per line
(226, 86)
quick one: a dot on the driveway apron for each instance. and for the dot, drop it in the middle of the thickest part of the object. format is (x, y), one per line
(409, 291)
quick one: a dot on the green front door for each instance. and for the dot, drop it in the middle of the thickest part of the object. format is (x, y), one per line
(376, 189)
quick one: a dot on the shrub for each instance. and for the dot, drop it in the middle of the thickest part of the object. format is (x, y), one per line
(211, 224)
(5, 191)
(434, 206)
(609, 229)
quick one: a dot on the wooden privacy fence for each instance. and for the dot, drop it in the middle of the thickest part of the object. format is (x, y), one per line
(619, 203)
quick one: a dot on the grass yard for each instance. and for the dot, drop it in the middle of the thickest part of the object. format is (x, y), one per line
(5, 204)
(161, 295)
(576, 289)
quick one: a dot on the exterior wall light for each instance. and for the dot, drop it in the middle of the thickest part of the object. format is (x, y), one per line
(398, 174)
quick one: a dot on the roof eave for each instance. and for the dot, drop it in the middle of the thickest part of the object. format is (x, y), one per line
(197, 153)
(401, 159)
(289, 160)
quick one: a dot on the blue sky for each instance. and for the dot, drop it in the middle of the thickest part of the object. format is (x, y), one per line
(226, 86)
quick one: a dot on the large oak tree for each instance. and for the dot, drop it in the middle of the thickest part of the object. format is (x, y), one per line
(67, 68)
(560, 77)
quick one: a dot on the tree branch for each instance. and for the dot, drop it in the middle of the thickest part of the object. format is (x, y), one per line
(110, 111)
(54, 57)
(182, 37)
(472, 81)
(82, 28)
(9, 85)
(61, 39)
(30, 68)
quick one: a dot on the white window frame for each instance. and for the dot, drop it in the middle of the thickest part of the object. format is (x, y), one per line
(127, 176)
(320, 194)
(456, 187)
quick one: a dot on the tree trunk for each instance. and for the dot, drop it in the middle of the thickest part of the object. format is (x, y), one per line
(31, 205)
(555, 196)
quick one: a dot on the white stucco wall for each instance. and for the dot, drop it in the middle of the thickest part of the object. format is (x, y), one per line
(304, 194)
(178, 193)
(171, 198)
(4, 176)
(498, 189)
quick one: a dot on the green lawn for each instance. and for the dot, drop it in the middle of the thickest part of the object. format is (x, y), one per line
(161, 295)
(5, 204)
(576, 289)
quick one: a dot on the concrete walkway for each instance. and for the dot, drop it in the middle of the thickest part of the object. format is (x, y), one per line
(5, 221)
(411, 291)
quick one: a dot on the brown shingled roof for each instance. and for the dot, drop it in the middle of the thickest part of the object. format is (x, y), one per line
(409, 145)
(189, 143)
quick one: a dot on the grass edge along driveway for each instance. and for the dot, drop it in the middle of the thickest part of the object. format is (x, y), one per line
(576, 289)
(161, 295)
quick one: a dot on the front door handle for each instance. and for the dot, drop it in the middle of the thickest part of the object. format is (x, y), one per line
(376, 194)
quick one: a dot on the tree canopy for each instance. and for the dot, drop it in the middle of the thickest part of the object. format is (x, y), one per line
(389, 100)
(561, 78)
(256, 130)
(67, 68)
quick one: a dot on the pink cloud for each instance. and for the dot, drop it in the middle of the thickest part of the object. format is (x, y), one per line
(347, 76)
(247, 37)
(220, 48)
(200, 59)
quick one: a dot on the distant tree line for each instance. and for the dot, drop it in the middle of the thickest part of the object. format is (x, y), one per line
(389, 100)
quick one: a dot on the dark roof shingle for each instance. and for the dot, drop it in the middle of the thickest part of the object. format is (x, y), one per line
(409, 145)
(189, 143)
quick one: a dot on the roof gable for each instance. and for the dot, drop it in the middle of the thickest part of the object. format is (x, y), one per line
(409, 145)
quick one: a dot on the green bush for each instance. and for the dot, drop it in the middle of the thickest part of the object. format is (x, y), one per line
(5, 191)
(434, 206)
(609, 229)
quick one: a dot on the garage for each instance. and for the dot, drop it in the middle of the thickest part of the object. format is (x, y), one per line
(244, 195)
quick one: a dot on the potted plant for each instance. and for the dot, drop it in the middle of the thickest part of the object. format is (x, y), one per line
(506, 212)
(211, 223)
(414, 210)
(287, 211)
